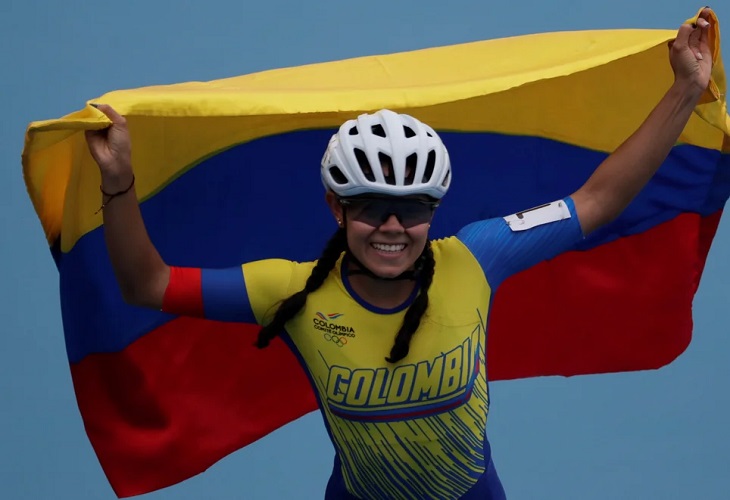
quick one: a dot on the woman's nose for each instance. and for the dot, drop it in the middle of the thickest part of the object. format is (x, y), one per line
(391, 224)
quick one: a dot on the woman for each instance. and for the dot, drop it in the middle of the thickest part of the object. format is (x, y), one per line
(389, 326)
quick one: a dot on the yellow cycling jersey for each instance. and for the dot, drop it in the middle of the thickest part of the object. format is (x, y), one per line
(415, 428)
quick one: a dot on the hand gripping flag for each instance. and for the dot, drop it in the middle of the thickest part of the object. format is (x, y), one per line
(228, 172)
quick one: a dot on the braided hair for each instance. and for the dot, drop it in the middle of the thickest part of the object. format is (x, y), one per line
(332, 251)
(293, 304)
(415, 312)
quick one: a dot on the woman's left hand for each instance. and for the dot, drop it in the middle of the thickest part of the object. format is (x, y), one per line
(690, 54)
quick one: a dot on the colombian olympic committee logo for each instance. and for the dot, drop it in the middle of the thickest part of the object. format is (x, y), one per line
(337, 340)
(329, 317)
(332, 330)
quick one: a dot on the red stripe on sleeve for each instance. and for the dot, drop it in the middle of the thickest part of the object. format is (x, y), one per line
(184, 293)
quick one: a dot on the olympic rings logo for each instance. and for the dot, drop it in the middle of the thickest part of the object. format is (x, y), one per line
(338, 341)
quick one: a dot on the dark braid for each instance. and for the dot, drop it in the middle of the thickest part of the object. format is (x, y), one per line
(415, 312)
(292, 305)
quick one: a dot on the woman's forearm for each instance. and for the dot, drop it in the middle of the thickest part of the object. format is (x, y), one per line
(140, 271)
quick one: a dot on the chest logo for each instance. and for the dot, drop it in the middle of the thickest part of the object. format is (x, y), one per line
(333, 328)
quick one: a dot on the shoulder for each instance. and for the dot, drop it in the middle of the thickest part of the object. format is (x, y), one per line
(459, 286)
(270, 281)
(452, 256)
(276, 268)
(448, 247)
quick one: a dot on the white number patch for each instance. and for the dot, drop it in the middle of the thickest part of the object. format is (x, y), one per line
(527, 219)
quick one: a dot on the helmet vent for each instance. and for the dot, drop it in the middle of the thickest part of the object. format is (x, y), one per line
(430, 164)
(378, 130)
(446, 179)
(387, 165)
(362, 160)
(408, 131)
(353, 131)
(411, 163)
(429, 134)
(337, 175)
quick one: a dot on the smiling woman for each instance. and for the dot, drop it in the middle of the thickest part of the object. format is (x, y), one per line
(389, 324)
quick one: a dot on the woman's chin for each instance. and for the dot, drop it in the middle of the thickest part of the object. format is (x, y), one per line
(387, 265)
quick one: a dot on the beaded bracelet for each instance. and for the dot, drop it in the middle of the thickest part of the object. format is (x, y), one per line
(112, 195)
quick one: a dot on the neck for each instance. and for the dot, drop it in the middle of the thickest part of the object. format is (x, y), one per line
(379, 293)
(385, 293)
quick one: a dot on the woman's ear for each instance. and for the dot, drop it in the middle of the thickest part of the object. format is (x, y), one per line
(335, 208)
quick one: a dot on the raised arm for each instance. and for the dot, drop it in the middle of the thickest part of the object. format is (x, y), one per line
(140, 271)
(624, 173)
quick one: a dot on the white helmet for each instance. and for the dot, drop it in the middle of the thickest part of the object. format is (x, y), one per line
(353, 161)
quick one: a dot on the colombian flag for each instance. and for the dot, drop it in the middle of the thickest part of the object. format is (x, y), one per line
(228, 172)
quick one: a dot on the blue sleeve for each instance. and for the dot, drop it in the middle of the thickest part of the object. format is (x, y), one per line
(225, 297)
(502, 252)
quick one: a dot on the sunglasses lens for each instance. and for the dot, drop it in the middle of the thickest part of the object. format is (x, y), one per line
(375, 212)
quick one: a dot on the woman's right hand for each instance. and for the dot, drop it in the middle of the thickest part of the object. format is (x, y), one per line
(111, 148)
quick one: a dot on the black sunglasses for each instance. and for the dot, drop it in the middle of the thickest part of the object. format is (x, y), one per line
(375, 210)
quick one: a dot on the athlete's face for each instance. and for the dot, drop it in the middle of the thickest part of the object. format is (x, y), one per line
(389, 244)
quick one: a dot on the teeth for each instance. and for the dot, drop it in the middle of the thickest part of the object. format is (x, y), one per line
(388, 248)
